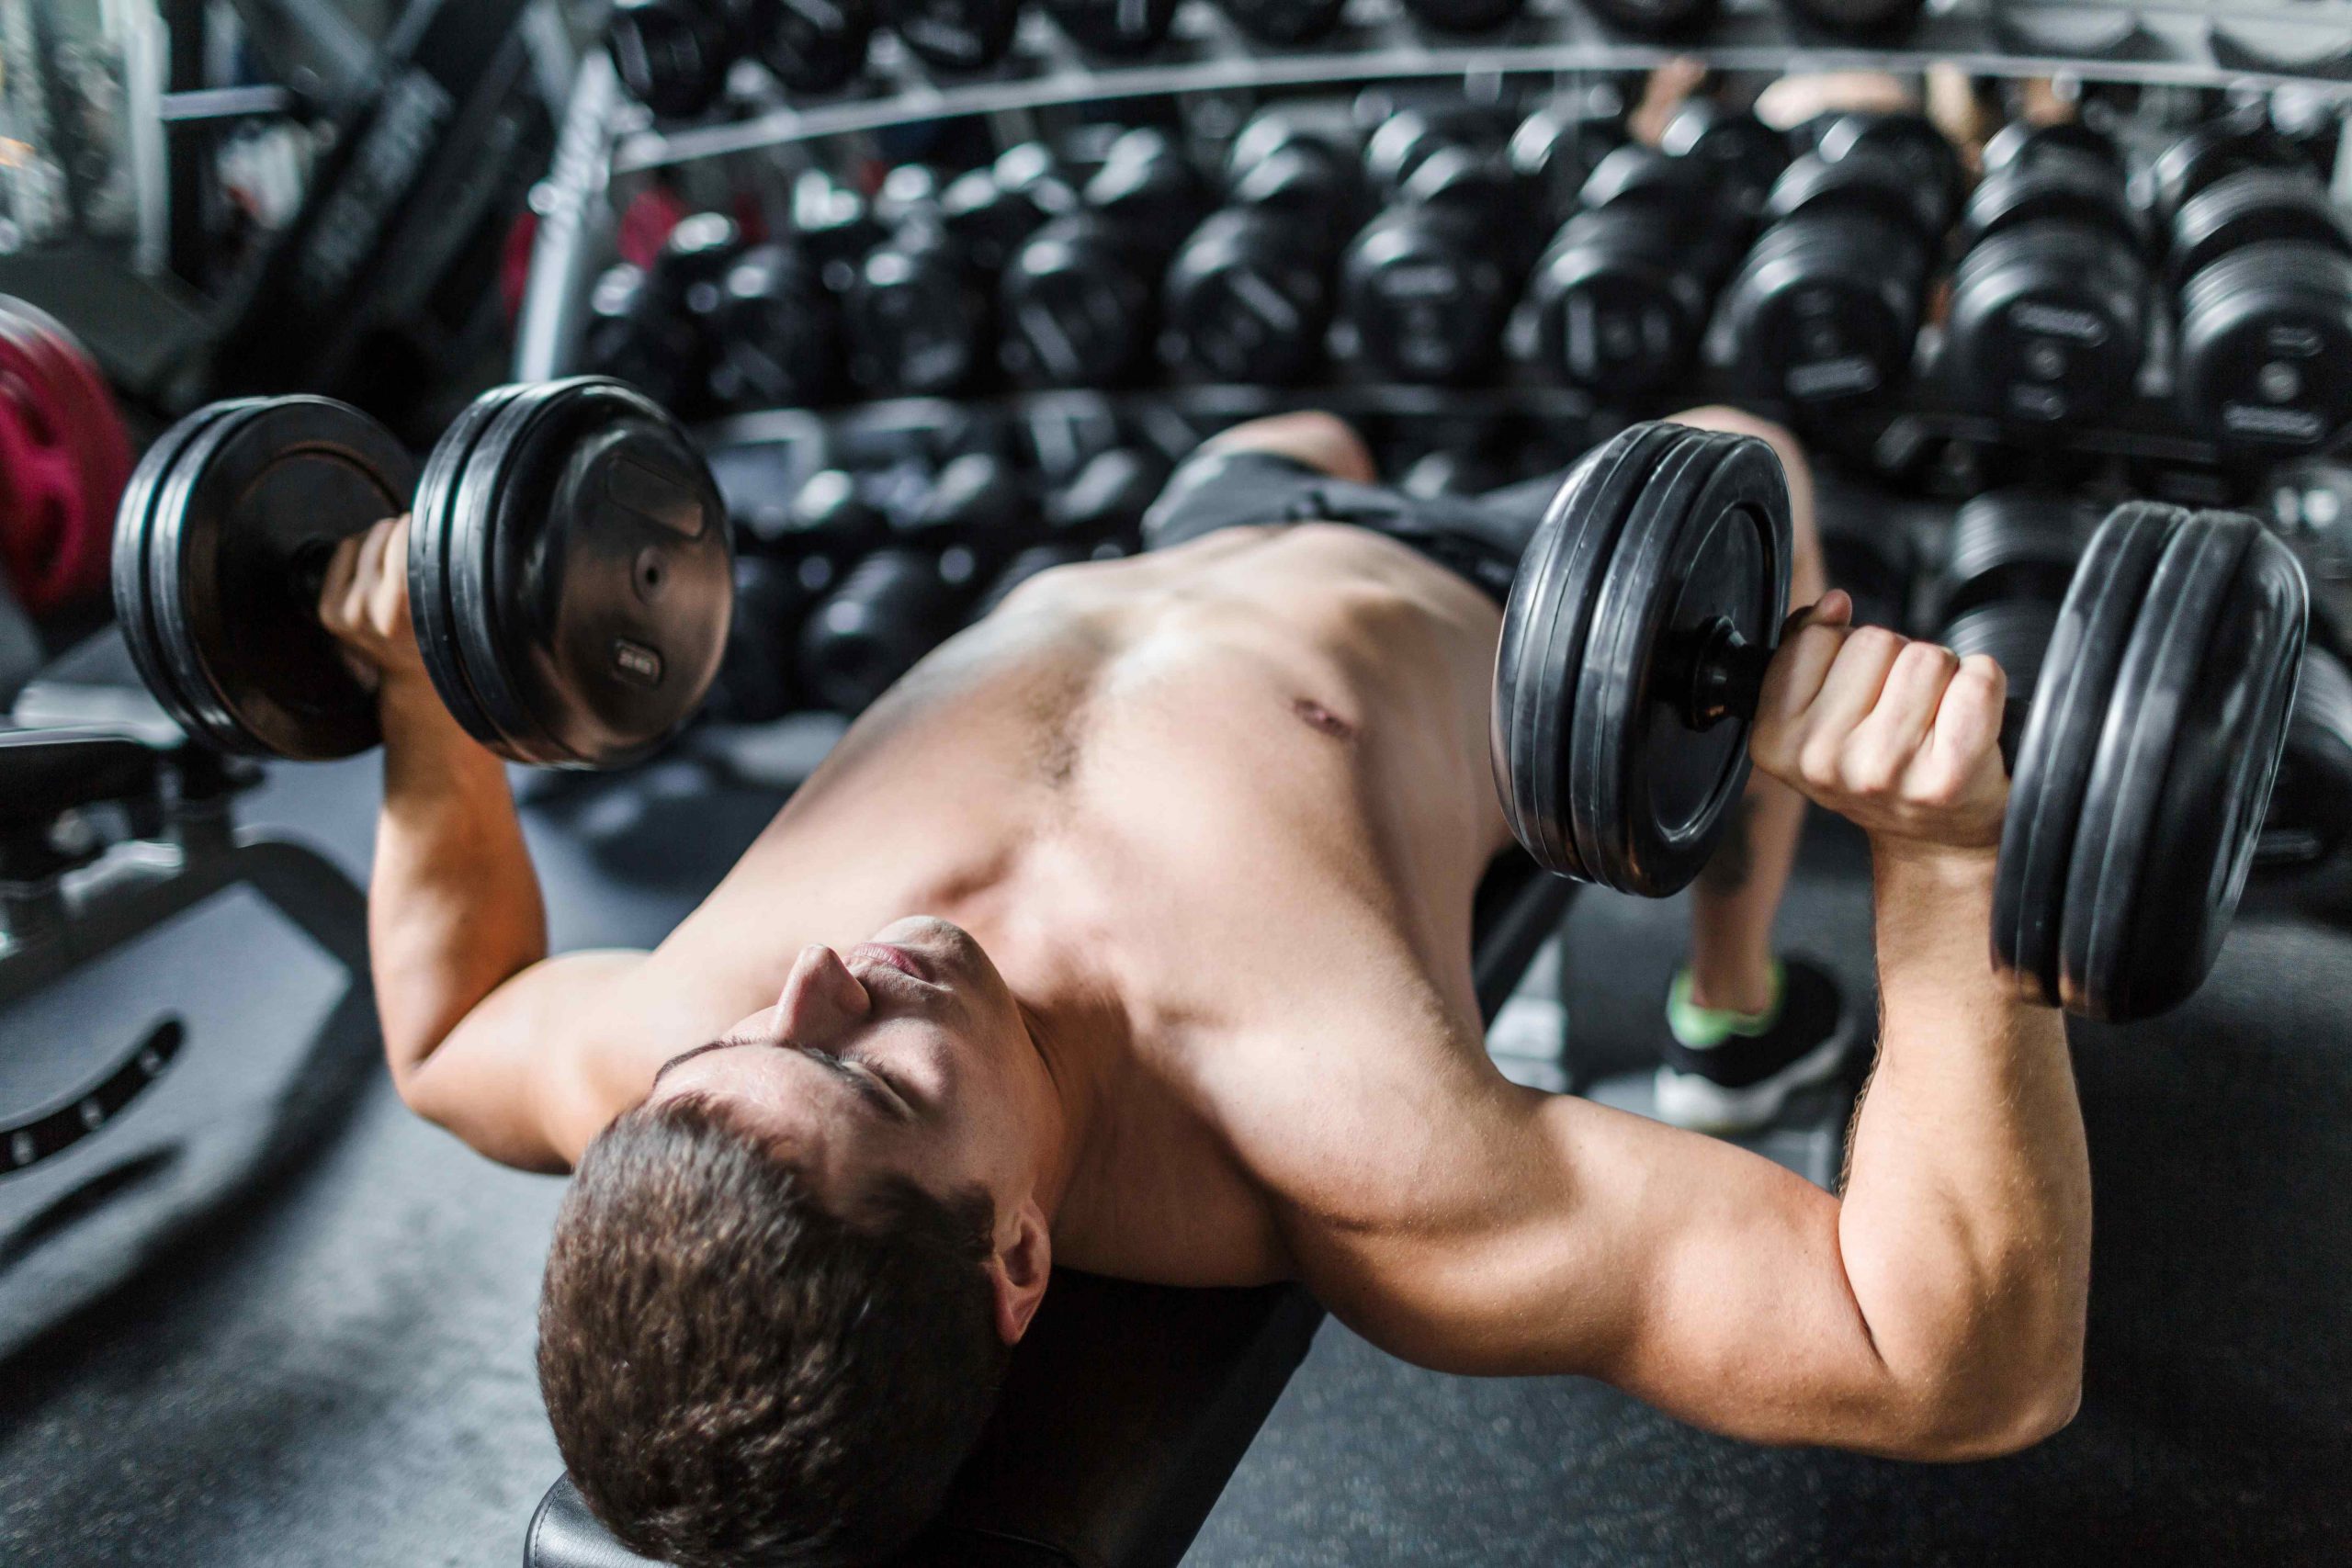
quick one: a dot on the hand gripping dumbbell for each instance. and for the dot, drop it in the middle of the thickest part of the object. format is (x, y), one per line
(1621, 299)
(1649, 606)
(1826, 307)
(1249, 298)
(569, 571)
(1080, 300)
(1119, 28)
(1286, 21)
(1427, 288)
(906, 598)
(2049, 319)
(956, 35)
(2260, 264)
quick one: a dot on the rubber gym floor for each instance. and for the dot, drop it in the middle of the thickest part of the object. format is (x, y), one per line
(339, 1371)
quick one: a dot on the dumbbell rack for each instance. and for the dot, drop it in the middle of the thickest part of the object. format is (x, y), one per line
(607, 137)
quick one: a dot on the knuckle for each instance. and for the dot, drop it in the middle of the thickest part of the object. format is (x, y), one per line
(1875, 643)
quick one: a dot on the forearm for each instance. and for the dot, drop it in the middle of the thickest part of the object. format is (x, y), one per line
(1965, 1229)
(454, 910)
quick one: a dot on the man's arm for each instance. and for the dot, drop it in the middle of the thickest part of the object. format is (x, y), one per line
(482, 1032)
(1937, 1310)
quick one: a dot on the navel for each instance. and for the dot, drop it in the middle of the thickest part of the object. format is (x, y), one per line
(1318, 718)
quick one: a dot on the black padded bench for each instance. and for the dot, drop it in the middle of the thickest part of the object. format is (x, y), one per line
(1127, 1406)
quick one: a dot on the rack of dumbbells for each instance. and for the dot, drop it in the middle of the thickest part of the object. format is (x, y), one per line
(946, 285)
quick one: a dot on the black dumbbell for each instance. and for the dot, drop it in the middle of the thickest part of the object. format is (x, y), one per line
(1912, 141)
(776, 331)
(674, 55)
(754, 684)
(1656, 18)
(652, 327)
(2261, 260)
(1826, 307)
(569, 571)
(1465, 16)
(1621, 299)
(1249, 298)
(2049, 317)
(1097, 516)
(1101, 508)
(905, 599)
(2008, 562)
(2023, 143)
(1427, 287)
(1554, 151)
(1286, 21)
(1120, 29)
(1643, 621)
(918, 317)
(1081, 299)
(1746, 154)
(813, 46)
(1867, 21)
(834, 226)
(2311, 810)
(792, 554)
(2213, 151)
(956, 35)
(662, 351)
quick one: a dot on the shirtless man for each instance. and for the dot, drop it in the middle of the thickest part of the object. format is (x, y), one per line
(1132, 931)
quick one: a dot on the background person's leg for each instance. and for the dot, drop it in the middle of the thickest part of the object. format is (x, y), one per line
(1747, 1028)
(1739, 892)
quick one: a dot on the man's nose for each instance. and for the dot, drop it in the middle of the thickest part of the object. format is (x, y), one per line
(822, 1000)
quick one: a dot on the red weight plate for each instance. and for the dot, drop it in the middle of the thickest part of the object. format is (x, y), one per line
(94, 436)
(42, 498)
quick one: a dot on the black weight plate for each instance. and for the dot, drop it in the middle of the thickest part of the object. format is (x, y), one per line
(2216, 150)
(2055, 755)
(430, 527)
(2013, 633)
(594, 574)
(2048, 325)
(1543, 635)
(135, 604)
(473, 520)
(2311, 806)
(1706, 542)
(2265, 346)
(252, 498)
(2173, 806)
(2250, 207)
(2022, 144)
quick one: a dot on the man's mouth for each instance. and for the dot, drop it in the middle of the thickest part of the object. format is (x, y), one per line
(898, 958)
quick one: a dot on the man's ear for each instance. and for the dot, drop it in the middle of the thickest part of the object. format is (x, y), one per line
(1018, 1270)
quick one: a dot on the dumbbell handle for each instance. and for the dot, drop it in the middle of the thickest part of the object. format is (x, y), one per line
(1726, 681)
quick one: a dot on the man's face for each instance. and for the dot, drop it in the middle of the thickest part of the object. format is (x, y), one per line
(904, 1053)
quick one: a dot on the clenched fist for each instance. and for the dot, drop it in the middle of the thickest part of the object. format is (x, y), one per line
(364, 604)
(1902, 737)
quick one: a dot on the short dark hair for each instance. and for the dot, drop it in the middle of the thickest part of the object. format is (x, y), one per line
(737, 1373)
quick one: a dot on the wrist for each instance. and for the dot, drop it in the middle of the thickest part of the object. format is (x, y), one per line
(1959, 866)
